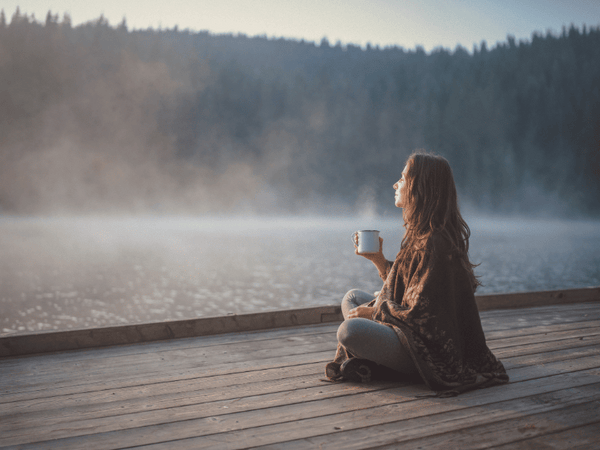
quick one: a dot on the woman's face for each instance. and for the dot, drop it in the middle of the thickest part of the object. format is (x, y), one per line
(400, 188)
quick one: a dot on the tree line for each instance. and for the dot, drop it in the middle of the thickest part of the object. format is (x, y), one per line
(103, 118)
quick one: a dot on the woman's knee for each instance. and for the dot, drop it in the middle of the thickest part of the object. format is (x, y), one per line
(349, 302)
(354, 298)
(350, 296)
(350, 331)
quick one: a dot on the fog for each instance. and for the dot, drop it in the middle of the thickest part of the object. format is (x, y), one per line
(160, 174)
(80, 272)
(99, 150)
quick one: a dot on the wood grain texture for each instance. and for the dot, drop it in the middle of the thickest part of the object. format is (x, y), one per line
(541, 298)
(25, 344)
(584, 437)
(266, 389)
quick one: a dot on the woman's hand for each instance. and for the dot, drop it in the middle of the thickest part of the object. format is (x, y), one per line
(370, 256)
(365, 312)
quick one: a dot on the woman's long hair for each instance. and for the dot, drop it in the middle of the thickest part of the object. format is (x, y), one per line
(431, 206)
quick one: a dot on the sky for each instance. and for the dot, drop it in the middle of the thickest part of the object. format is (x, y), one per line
(405, 23)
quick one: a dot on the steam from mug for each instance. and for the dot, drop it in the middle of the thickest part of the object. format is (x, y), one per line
(368, 241)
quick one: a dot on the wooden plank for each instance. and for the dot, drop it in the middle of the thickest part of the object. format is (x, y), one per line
(72, 385)
(194, 343)
(13, 345)
(108, 368)
(535, 317)
(491, 327)
(334, 418)
(543, 337)
(176, 416)
(475, 427)
(551, 353)
(55, 376)
(195, 391)
(193, 402)
(541, 329)
(543, 298)
(72, 381)
(293, 335)
(545, 365)
(17, 344)
(216, 355)
(58, 409)
(230, 384)
(542, 347)
(156, 363)
(175, 345)
(39, 362)
(190, 343)
(159, 386)
(585, 437)
(567, 349)
(183, 413)
(303, 377)
(565, 418)
(79, 378)
(152, 351)
(580, 307)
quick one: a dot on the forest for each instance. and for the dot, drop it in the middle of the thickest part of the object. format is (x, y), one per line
(97, 118)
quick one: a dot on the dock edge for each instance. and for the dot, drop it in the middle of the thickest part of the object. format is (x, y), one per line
(89, 338)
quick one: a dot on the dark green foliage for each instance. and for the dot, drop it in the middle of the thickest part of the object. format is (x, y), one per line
(307, 124)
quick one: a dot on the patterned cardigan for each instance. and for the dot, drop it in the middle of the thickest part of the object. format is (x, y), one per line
(432, 309)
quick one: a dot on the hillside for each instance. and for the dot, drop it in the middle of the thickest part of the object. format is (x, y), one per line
(99, 118)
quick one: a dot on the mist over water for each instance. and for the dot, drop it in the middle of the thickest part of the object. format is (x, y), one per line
(157, 132)
(80, 272)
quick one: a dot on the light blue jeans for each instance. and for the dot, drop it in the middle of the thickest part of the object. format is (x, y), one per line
(371, 340)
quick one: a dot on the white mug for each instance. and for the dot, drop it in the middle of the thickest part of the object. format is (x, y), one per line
(368, 241)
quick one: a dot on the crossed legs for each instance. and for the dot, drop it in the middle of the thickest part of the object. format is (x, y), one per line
(371, 340)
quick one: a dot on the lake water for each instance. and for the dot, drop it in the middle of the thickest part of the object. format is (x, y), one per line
(61, 273)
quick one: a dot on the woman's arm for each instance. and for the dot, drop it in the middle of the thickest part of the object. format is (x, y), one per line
(382, 264)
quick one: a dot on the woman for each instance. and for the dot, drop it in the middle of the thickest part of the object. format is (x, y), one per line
(424, 320)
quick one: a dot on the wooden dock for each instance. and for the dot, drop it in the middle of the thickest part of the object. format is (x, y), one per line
(265, 388)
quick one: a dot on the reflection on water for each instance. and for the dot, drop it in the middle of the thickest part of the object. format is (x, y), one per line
(86, 272)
